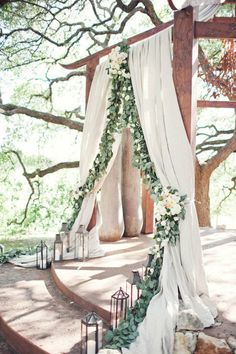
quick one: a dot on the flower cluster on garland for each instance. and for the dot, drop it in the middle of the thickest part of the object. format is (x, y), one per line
(169, 204)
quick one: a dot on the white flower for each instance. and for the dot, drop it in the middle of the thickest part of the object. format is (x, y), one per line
(127, 97)
(163, 223)
(154, 249)
(176, 218)
(161, 209)
(164, 243)
(158, 216)
(176, 209)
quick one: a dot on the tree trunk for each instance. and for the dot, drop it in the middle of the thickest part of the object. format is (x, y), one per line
(202, 196)
(112, 227)
(131, 189)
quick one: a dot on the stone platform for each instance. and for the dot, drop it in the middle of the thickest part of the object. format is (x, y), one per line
(91, 283)
(36, 318)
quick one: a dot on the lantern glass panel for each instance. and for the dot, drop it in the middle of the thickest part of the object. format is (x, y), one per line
(119, 307)
(91, 334)
(58, 248)
(65, 235)
(132, 287)
(42, 261)
(82, 244)
(147, 267)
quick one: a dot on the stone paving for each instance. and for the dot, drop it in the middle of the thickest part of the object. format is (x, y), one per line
(30, 302)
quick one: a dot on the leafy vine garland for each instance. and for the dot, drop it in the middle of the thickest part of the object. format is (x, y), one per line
(169, 205)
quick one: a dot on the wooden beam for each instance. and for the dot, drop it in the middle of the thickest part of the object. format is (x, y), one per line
(90, 70)
(215, 30)
(148, 211)
(216, 104)
(224, 19)
(185, 62)
(77, 64)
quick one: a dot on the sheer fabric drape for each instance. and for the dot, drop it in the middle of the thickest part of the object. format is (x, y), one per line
(95, 122)
(170, 151)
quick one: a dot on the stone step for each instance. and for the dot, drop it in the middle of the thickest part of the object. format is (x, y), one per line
(35, 318)
(91, 283)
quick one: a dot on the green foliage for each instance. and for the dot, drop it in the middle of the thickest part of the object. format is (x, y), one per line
(15, 252)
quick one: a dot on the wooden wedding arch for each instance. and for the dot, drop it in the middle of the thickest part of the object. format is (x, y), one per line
(186, 32)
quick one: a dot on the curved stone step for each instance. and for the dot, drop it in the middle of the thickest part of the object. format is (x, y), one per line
(91, 283)
(35, 318)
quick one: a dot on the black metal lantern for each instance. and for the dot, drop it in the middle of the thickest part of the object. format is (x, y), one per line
(58, 249)
(119, 307)
(147, 267)
(1, 249)
(132, 287)
(42, 261)
(91, 334)
(82, 244)
(65, 235)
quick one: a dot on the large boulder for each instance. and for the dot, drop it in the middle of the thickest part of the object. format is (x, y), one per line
(131, 189)
(185, 343)
(112, 227)
(188, 320)
(211, 345)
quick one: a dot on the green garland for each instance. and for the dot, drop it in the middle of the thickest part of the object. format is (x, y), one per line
(166, 223)
(122, 112)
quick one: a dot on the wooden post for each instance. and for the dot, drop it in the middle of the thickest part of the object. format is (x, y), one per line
(148, 211)
(185, 63)
(90, 70)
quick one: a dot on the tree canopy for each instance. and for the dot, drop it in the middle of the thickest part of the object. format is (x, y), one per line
(41, 100)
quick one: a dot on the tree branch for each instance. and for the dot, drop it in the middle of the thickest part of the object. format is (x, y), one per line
(52, 169)
(30, 185)
(211, 164)
(10, 110)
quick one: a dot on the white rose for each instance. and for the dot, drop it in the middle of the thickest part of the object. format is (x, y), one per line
(158, 217)
(176, 209)
(127, 97)
(161, 210)
(163, 223)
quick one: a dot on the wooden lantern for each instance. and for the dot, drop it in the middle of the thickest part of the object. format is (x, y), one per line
(65, 234)
(118, 307)
(91, 334)
(132, 287)
(58, 249)
(42, 261)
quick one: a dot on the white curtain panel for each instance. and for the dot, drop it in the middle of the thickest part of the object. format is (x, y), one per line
(181, 4)
(95, 122)
(151, 74)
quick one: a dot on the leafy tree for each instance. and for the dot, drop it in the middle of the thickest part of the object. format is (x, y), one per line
(38, 35)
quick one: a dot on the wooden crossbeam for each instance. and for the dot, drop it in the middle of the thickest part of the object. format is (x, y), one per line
(224, 19)
(138, 37)
(216, 104)
(214, 30)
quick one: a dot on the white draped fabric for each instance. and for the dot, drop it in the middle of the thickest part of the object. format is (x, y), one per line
(170, 151)
(95, 122)
(181, 4)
